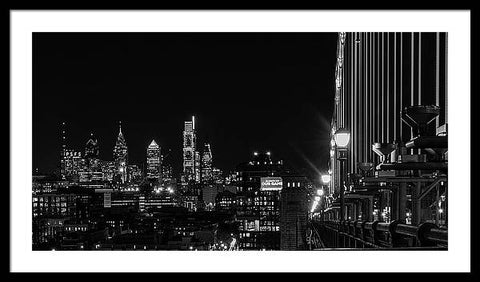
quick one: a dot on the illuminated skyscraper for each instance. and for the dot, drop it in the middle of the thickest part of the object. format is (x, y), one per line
(73, 163)
(206, 164)
(135, 174)
(91, 148)
(120, 156)
(154, 162)
(91, 168)
(63, 154)
(189, 152)
(198, 163)
(167, 170)
(71, 160)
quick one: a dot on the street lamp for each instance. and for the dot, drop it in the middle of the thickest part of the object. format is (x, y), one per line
(342, 138)
(326, 178)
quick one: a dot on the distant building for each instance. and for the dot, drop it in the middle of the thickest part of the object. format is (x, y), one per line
(154, 162)
(167, 169)
(91, 167)
(189, 152)
(207, 174)
(294, 212)
(73, 163)
(92, 150)
(209, 192)
(120, 156)
(63, 154)
(198, 165)
(217, 176)
(135, 174)
(108, 169)
(225, 202)
(259, 184)
(53, 204)
(190, 202)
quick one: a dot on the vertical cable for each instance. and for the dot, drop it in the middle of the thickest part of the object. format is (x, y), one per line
(395, 86)
(374, 93)
(365, 95)
(388, 88)
(437, 75)
(401, 84)
(419, 73)
(419, 68)
(412, 72)
(342, 93)
(352, 85)
(446, 78)
(383, 89)
(412, 80)
(372, 117)
(360, 98)
(378, 107)
(355, 108)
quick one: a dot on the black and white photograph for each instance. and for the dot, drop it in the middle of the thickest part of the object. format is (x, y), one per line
(251, 142)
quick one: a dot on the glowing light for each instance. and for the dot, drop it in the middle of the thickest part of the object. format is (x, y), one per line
(342, 138)
(326, 178)
(255, 153)
(320, 192)
(332, 153)
(317, 198)
(268, 153)
(440, 210)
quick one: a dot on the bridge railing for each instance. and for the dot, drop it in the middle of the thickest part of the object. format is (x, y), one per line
(375, 234)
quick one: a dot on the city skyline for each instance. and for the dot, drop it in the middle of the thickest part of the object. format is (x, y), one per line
(254, 122)
(251, 174)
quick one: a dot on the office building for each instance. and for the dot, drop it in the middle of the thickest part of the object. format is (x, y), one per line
(154, 164)
(120, 156)
(189, 152)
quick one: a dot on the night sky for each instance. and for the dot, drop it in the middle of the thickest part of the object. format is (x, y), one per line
(248, 91)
